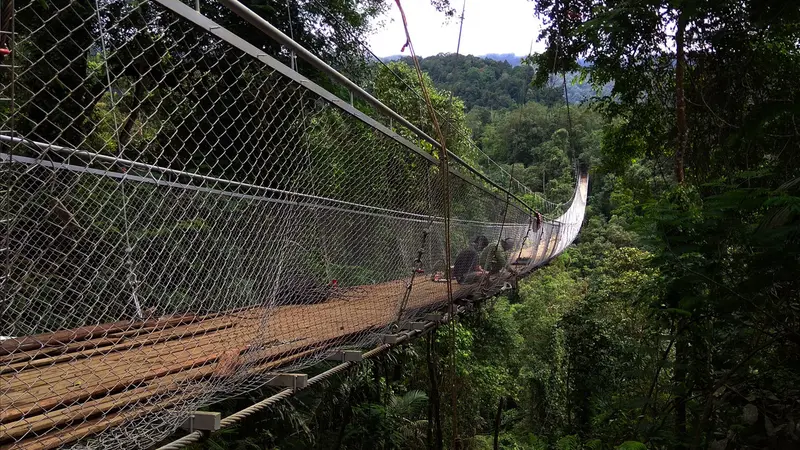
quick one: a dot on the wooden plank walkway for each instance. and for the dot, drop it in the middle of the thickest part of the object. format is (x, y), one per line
(66, 386)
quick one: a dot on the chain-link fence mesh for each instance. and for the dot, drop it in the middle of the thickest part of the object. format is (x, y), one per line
(183, 217)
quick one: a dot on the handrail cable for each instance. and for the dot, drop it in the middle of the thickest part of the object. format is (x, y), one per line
(259, 22)
(445, 117)
(197, 436)
(445, 173)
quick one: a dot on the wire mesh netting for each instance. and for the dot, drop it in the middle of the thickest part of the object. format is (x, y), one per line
(183, 217)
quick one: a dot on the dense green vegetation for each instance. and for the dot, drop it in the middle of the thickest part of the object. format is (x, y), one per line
(495, 84)
(673, 322)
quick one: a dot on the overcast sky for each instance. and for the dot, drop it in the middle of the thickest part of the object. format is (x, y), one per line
(490, 26)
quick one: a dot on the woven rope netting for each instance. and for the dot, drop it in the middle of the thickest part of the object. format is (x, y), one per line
(182, 218)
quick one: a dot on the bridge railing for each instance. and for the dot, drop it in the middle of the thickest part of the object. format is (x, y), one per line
(184, 215)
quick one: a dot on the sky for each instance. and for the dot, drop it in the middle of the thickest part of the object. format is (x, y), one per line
(490, 26)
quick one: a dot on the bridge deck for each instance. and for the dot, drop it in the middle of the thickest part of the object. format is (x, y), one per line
(70, 388)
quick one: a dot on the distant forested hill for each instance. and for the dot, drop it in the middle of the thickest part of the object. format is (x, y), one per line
(493, 82)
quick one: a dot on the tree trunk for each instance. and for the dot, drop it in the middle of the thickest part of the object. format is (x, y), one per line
(434, 395)
(679, 384)
(429, 428)
(348, 414)
(680, 98)
(567, 393)
(386, 390)
(376, 379)
(497, 418)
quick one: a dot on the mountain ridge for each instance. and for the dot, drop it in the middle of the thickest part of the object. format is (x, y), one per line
(513, 59)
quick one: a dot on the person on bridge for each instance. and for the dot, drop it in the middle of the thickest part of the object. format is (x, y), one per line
(493, 257)
(466, 268)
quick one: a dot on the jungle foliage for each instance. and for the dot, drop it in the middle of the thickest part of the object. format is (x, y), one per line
(672, 323)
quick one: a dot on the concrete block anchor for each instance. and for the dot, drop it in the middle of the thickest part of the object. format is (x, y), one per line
(203, 421)
(345, 356)
(288, 380)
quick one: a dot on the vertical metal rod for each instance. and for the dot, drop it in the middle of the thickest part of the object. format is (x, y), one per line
(197, 5)
(544, 193)
(128, 261)
(292, 56)
(6, 217)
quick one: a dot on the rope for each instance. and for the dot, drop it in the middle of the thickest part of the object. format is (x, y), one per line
(417, 268)
(446, 193)
(569, 115)
(485, 280)
(525, 238)
(566, 98)
(420, 252)
(197, 436)
(131, 278)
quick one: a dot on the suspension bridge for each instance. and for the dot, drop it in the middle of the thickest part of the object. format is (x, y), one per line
(186, 219)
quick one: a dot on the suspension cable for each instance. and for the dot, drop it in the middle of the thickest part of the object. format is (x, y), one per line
(414, 91)
(569, 115)
(417, 268)
(131, 278)
(292, 56)
(445, 173)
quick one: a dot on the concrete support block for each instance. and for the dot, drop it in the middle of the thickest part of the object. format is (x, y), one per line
(434, 317)
(288, 380)
(346, 356)
(394, 338)
(413, 326)
(203, 421)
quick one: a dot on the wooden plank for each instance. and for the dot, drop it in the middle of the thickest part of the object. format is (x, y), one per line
(63, 437)
(92, 427)
(31, 378)
(109, 377)
(376, 308)
(64, 337)
(78, 412)
(50, 403)
(149, 340)
(105, 340)
(106, 404)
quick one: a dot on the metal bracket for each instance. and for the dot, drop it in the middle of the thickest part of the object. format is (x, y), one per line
(203, 421)
(345, 356)
(288, 380)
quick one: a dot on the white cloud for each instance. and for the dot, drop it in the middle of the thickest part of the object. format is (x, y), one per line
(490, 26)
